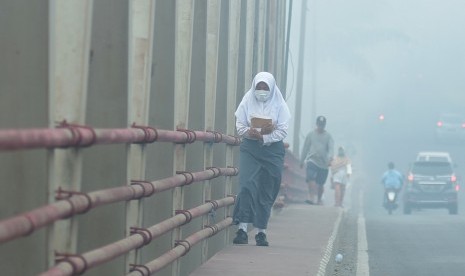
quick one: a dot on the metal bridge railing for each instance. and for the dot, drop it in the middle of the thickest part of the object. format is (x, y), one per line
(72, 135)
(78, 264)
(71, 203)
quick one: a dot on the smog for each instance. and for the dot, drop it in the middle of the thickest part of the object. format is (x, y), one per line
(382, 72)
(388, 75)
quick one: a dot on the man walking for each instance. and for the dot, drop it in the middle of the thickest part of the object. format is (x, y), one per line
(317, 154)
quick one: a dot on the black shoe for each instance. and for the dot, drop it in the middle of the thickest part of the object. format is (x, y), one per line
(309, 202)
(260, 238)
(241, 237)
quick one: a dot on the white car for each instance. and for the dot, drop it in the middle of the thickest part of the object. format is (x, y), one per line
(450, 127)
(433, 156)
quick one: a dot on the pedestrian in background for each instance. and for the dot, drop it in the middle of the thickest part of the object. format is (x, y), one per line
(341, 169)
(317, 155)
(262, 120)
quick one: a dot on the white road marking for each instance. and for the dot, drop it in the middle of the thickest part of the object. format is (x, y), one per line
(329, 248)
(362, 243)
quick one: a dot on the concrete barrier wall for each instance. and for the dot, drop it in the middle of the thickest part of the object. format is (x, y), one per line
(23, 103)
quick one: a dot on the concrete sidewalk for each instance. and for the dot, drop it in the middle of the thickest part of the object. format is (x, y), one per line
(300, 238)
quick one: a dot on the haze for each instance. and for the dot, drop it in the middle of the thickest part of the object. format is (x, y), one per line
(402, 59)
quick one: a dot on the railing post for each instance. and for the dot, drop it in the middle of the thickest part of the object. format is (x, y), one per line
(233, 56)
(183, 52)
(272, 33)
(249, 44)
(141, 29)
(212, 42)
(260, 52)
(69, 50)
(280, 41)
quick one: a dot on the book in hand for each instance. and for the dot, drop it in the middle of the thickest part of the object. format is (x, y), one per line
(258, 122)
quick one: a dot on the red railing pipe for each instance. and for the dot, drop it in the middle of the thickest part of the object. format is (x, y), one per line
(217, 137)
(70, 135)
(78, 264)
(181, 249)
(77, 203)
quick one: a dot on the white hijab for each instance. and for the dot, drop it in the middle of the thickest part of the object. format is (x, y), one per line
(274, 107)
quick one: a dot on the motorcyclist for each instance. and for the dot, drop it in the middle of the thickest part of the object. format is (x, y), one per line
(392, 179)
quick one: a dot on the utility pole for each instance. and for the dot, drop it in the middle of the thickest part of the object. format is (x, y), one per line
(286, 62)
(314, 62)
(300, 71)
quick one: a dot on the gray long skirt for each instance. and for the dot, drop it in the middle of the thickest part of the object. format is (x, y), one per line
(260, 170)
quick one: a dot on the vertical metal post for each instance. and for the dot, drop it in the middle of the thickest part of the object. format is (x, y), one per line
(213, 33)
(314, 61)
(141, 25)
(272, 33)
(286, 51)
(300, 72)
(280, 26)
(261, 34)
(70, 31)
(182, 65)
(249, 42)
(233, 60)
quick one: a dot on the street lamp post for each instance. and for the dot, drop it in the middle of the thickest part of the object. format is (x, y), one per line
(298, 105)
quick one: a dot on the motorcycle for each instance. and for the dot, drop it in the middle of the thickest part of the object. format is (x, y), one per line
(390, 202)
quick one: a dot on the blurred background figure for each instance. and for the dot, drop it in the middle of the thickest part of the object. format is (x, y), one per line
(341, 169)
(317, 155)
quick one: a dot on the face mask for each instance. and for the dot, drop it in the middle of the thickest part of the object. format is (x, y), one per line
(262, 95)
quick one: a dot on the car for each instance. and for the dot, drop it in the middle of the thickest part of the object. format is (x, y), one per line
(450, 127)
(431, 183)
(434, 156)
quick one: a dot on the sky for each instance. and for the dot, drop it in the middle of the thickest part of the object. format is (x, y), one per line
(400, 58)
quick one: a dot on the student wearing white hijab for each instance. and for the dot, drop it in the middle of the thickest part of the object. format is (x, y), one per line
(261, 156)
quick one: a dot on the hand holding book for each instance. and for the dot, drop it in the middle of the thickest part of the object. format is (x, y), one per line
(264, 125)
(267, 129)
